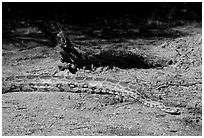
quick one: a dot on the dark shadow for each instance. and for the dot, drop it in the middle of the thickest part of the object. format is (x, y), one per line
(108, 21)
(141, 32)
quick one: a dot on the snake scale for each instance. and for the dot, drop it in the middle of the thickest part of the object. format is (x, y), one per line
(79, 84)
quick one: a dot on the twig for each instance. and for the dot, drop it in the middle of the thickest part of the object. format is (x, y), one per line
(79, 127)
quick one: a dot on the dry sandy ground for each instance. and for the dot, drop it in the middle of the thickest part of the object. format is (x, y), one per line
(40, 113)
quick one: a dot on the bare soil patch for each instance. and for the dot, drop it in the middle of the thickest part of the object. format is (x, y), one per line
(177, 85)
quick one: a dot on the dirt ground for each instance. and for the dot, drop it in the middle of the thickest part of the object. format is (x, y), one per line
(62, 114)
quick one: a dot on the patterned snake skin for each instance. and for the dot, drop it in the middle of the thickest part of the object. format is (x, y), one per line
(79, 84)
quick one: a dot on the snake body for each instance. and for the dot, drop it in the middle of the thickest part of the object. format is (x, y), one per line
(79, 84)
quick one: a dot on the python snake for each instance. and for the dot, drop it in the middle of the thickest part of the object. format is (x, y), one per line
(79, 84)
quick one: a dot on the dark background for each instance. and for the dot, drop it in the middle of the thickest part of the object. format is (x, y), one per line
(107, 20)
(88, 12)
